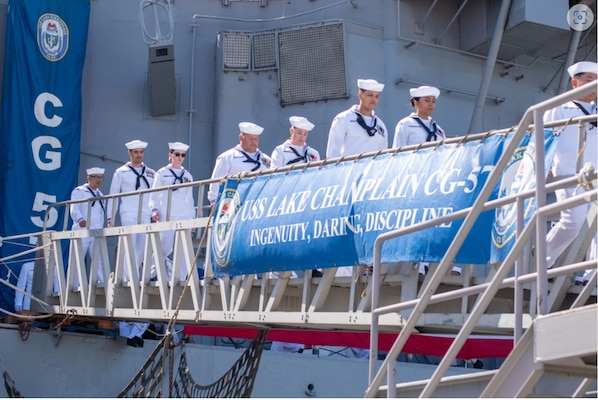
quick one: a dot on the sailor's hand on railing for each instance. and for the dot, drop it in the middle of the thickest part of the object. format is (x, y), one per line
(82, 223)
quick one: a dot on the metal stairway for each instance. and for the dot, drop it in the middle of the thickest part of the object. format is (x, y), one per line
(556, 356)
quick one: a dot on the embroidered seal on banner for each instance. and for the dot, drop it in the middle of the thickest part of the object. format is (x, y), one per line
(224, 226)
(518, 177)
(52, 37)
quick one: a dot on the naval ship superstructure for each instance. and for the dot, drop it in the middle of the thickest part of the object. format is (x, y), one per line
(497, 63)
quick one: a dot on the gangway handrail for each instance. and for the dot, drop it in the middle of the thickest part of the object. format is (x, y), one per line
(506, 282)
(113, 197)
(201, 204)
(534, 113)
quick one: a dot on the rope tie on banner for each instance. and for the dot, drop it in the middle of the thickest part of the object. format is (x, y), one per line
(584, 176)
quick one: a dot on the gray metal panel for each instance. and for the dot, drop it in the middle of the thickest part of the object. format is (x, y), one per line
(161, 78)
(161, 52)
(548, 13)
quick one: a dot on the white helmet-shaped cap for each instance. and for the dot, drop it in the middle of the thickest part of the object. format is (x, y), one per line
(581, 67)
(424, 91)
(370, 84)
(250, 128)
(136, 144)
(95, 171)
(178, 146)
(301, 123)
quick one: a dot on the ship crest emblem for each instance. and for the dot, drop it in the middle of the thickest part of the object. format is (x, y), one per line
(52, 37)
(224, 225)
(519, 176)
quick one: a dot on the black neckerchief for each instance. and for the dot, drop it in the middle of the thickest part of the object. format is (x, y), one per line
(93, 193)
(251, 160)
(431, 134)
(583, 109)
(299, 156)
(176, 177)
(371, 130)
(139, 176)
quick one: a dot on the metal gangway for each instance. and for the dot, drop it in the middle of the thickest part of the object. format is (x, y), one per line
(390, 297)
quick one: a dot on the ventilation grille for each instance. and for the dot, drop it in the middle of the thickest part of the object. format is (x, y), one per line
(236, 52)
(310, 59)
(312, 64)
(264, 51)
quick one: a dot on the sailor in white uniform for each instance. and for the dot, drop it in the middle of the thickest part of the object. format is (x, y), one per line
(24, 284)
(182, 204)
(419, 127)
(246, 156)
(295, 150)
(358, 129)
(78, 212)
(569, 151)
(131, 177)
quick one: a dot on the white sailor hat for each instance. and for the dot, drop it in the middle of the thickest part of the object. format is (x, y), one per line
(370, 84)
(301, 123)
(581, 67)
(95, 171)
(136, 144)
(178, 146)
(250, 128)
(424, 91)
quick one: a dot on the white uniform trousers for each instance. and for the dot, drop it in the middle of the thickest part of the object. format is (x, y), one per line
(87, 245)
(132, 329)
(138, 239)
(567, 229)
(167, 239)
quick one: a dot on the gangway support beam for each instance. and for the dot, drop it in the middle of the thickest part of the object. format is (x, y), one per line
(517, 371)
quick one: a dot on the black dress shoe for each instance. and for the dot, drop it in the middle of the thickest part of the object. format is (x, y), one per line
(316, 274)
(135, 342)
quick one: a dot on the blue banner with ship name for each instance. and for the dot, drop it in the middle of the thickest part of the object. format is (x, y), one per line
(41, 118)
(519, 176)
(330, 216)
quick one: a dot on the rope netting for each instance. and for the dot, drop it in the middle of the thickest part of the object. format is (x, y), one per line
(236, 382)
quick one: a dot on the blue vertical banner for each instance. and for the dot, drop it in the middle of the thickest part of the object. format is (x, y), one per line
(41, 116)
